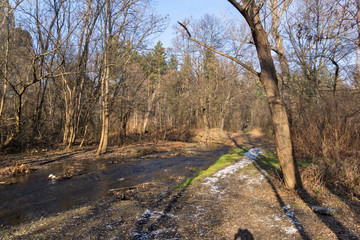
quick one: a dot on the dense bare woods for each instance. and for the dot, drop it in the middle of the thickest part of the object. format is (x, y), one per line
(79, 72)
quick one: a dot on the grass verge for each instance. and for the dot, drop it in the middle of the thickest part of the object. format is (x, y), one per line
(269, 162)
(225, 160)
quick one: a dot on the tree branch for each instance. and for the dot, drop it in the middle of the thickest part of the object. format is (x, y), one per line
(250, 69)
(185, 28)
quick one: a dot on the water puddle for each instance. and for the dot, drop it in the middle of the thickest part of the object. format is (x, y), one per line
(35, 196)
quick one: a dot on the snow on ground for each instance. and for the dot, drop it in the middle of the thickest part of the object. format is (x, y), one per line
(292, 217)
(250, 181)
(148, 215)
(250, 156)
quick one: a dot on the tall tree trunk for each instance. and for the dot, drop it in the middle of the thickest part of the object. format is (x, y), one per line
(5, 73)
(105, 109)
(268, 78)
(150, 106)
(224, 111)
(276, 13)
(3, 98)
(18, 126)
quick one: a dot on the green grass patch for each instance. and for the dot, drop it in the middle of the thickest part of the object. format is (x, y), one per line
(185, 184)
(269, 161)
(224, 161)
(304, 162)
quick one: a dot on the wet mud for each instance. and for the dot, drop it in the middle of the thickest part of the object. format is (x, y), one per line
(35, 196)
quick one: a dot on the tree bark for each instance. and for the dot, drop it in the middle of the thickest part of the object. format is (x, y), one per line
(280, 50)
(150, 106)
(268, 78)
(105, 108)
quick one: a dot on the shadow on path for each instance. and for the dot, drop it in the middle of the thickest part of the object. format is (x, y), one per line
(331, 222)
(288, 213)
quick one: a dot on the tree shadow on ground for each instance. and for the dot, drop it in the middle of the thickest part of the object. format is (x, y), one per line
(281, 203)
(329, 220)
(347, 195)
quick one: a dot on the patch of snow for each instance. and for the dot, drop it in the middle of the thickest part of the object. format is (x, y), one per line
(253, 153)
(154, 214)
(244, 176)
(214, 188)
(256, 180)
(147, 215)
(276, 217)
(158, 214)
(141, 236)
(292, 217)
(230, 170)
(290, 230)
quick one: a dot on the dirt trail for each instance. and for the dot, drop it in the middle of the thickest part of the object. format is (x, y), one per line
(239, 202)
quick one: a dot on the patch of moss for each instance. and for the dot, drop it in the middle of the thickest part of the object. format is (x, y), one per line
(304, 162)
(185, 184)
(240, 150)
(225, 160)
(269, 160)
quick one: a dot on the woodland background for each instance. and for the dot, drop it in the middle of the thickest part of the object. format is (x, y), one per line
(81, 72)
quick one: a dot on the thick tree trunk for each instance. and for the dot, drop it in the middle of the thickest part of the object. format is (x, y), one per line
(105, 111)
(268, 78)
(276, 14)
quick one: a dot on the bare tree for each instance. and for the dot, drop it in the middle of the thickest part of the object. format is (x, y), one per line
(268, 77)
(277, 10)
(74, 74)
(130, 23)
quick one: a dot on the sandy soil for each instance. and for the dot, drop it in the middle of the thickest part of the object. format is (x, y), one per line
(239, 202)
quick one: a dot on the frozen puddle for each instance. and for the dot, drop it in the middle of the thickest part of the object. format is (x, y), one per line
(250, 156)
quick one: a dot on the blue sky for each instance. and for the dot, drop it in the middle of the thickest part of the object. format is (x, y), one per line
(178, 10)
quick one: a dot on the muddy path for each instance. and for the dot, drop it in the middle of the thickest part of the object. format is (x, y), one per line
(35, 196)
(241, 201)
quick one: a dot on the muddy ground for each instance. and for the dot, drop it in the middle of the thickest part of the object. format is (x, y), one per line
(241, 202)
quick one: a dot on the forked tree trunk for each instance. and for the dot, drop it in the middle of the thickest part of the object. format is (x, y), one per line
(268, 78)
